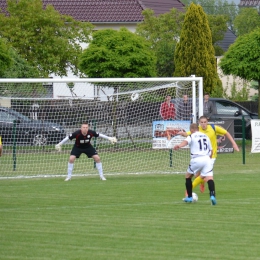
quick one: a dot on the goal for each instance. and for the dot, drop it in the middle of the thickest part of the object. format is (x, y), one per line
(35, 114)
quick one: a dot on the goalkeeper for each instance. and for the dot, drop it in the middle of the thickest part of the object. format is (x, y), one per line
(82, 145)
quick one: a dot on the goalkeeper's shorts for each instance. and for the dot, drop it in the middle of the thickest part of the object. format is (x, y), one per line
(88, 150)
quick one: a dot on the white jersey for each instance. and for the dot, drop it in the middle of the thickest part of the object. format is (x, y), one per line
(200, 144)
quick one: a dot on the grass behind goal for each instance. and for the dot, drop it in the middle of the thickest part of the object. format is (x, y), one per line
(132, 216)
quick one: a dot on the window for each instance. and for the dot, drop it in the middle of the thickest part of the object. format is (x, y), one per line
(226, 108)
(6, 117)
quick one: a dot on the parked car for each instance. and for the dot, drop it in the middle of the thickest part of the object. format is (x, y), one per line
(26, 130)
(224, 109)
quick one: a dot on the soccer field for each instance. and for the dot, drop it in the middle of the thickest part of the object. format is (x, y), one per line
(132, 216)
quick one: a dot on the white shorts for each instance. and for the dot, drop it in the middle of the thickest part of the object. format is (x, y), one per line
(202, 164)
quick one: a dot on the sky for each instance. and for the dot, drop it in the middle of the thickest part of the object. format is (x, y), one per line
(235, 1)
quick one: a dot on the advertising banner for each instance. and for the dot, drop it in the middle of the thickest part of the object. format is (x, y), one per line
(224, 145)
(165, 133)
(255, 127)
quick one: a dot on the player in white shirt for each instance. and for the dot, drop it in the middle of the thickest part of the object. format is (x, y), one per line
(201, 152)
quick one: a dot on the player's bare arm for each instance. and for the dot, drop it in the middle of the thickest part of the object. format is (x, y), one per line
(182, 133)
(182, 144)
(230, 138)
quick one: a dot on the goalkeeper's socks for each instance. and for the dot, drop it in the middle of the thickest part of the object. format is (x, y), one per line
(70, 169)
(211, 186)
(197, 181)
(100, 169)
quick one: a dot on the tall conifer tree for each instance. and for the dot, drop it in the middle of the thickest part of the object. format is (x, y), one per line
(194, 54)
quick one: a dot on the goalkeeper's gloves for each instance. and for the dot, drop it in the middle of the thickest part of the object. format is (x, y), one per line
(113, 140)
(58, 147)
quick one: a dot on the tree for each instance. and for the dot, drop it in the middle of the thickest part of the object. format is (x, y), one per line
(246, 21)
(218, 7)
(194, 54)
(163, 33)
(5, 58)
(13, 66)
(20, 68)
(254, 85)
(46, 39)
(243, 59)
(236, 94)
(218, 27)
(118, 54)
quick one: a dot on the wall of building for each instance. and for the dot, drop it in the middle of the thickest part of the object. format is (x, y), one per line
(229, 80)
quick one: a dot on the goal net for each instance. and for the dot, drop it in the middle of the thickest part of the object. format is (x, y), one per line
(36, 114)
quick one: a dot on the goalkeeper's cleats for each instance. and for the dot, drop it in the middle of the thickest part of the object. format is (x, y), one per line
(188, 199)
(102, 178)
(202, 187)
(213, 200)
(58, 147)
(68, 179)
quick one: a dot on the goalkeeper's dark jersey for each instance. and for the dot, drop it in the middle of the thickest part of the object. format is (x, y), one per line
(83, 140)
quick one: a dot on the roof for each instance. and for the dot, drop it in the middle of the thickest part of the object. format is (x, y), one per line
(249, 3)
(229, 38)
(109, 11)
(162, 6)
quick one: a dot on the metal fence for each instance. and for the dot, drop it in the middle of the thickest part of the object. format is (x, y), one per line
(250, 105)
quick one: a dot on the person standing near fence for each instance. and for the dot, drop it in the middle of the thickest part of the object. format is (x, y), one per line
(185, 108)
(167, 109)
(207, 106)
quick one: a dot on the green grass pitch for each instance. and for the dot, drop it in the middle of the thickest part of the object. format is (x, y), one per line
(132, 216)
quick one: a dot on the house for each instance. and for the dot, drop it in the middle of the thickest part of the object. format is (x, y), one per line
(228, 81)
(228, 39)
(114, 14)
(249, 3)
(104, 14)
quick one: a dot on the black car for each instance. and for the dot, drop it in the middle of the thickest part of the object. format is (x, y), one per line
(224, 109)
(18, 128)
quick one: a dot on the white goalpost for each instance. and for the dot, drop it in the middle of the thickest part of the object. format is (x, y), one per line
(35, 114)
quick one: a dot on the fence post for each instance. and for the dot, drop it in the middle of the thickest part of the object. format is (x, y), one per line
(243, 140)
(14, 145)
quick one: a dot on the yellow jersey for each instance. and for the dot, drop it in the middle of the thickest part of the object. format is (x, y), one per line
(0, 140)
(212, 134)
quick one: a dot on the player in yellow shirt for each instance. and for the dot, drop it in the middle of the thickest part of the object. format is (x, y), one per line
(1, 146)
(212, 133)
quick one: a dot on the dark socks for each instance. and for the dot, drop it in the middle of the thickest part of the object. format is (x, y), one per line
(189, 187)
(211, 186)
